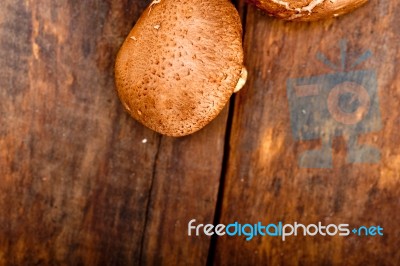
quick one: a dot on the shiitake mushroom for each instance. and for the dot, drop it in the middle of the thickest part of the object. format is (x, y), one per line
(180, 64)
(307, 10)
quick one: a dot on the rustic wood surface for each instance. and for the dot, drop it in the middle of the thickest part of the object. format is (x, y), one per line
(264, 181)
(84, 184)
(79, 186)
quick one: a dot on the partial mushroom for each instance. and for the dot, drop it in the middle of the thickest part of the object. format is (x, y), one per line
(180, 64)
(307, 10)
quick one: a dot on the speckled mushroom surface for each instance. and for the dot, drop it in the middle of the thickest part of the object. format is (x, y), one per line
(307, 10)
(180, 64)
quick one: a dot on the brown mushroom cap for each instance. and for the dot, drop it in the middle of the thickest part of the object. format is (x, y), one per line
(180, 64)
(307, 10)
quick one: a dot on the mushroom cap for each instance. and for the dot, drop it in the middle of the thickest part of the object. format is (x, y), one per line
(307, 10)
(180, 64)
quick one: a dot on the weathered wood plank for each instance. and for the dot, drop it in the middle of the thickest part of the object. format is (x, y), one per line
(266, 179)
(77, 172)
(185, 187)
(75, 175)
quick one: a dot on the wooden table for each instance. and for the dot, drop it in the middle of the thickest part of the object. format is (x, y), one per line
(84, 184)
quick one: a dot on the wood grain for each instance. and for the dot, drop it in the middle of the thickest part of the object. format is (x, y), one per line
(265, 179)
(75, 174)
(81, 182)
(84, 184)
(185, 188)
